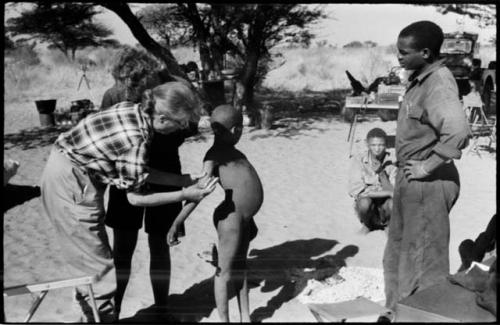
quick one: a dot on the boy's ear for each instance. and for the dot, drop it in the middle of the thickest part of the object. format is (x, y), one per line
(426, 53)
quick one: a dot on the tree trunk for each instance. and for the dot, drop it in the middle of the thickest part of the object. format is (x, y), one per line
(140, 33)
(206, 62)
(248, 81)
(73, 54)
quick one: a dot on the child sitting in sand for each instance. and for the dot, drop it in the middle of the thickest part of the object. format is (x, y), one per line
(233, 218)
(371, 182)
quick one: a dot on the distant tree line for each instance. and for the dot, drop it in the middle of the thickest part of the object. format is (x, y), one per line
(358, 44)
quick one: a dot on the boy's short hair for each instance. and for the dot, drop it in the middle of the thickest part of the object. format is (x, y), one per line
(426, 34)
(376, 133)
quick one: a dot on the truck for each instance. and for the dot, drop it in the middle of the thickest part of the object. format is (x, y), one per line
(489, 87)
(460, 53)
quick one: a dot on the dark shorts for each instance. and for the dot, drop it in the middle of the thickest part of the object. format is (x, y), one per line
(124, 216)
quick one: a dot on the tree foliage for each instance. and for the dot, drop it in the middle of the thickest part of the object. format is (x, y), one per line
(485, 14)
(64, 26)
(166, 23)
(353, 44)
(245, 32)
(8, 43)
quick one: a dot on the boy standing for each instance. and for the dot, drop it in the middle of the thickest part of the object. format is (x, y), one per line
(371, 182)
(233, 218)
(431, 132)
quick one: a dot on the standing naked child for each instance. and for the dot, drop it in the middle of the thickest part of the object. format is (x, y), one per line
(233, 218)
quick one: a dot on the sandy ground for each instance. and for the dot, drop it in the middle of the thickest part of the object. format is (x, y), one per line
(306, 214)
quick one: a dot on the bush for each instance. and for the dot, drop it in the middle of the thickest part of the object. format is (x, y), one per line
(23, 53)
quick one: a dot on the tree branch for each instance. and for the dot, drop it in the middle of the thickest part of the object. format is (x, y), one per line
(140, 33)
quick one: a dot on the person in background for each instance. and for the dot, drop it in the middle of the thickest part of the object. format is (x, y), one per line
(371, 181)
(135, 71)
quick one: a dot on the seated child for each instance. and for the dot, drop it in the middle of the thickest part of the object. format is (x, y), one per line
(371, 182)
(233, 218)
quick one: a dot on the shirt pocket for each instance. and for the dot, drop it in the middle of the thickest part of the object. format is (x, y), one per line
(415, 112)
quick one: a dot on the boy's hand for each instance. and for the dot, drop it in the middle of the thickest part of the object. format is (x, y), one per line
(172, 238)
(414, 169)
(195, 194)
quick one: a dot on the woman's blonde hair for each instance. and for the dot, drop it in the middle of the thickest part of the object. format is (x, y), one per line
(174, 99)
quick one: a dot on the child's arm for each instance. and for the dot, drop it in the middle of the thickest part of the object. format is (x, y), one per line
(208, 167)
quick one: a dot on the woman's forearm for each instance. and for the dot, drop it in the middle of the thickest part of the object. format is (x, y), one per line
(154, 199)
(165, 178)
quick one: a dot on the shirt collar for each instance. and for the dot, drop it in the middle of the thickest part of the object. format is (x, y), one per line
(427, 71)
(366, 157)
(145, 122)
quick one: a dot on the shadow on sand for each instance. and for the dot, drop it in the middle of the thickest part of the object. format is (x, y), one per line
(18, 194)
(278, 267)
(33, 138)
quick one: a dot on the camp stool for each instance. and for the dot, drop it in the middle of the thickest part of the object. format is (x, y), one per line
(44, 287)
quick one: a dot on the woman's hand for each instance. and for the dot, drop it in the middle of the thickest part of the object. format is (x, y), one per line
(195, 193)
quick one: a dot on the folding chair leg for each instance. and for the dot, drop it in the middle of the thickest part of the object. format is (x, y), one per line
(35, 305)
(317, 316)
(351, 142)
(473, 147)
(94, 305)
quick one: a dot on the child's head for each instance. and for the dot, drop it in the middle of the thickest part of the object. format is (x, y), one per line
(227, 124)
(419, 44)
(171, 105)
(376, 141)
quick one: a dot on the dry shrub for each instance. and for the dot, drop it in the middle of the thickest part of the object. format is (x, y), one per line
(323, 68)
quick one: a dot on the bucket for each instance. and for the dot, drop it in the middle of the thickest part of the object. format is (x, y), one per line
(47, 120)
(46, 111)
(45, 106)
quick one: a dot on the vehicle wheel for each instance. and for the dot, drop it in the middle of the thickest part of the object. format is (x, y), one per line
(487, 97)
(348, 114)
(387, 115)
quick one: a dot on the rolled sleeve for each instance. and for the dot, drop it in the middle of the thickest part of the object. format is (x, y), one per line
(132, 168)
(356, 183)
(447, 117)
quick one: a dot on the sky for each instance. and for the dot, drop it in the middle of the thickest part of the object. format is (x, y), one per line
(379, 23)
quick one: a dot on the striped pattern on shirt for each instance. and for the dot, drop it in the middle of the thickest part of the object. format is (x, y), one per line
(111, 145)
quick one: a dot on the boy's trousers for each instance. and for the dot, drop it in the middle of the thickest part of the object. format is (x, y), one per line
(74, 203)
(416, 254)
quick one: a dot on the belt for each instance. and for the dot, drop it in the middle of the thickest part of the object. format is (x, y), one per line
(401, 164)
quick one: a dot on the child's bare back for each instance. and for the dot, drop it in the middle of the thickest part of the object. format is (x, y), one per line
(238, 178)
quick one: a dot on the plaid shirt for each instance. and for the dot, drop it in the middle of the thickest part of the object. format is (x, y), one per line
(111, 145)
